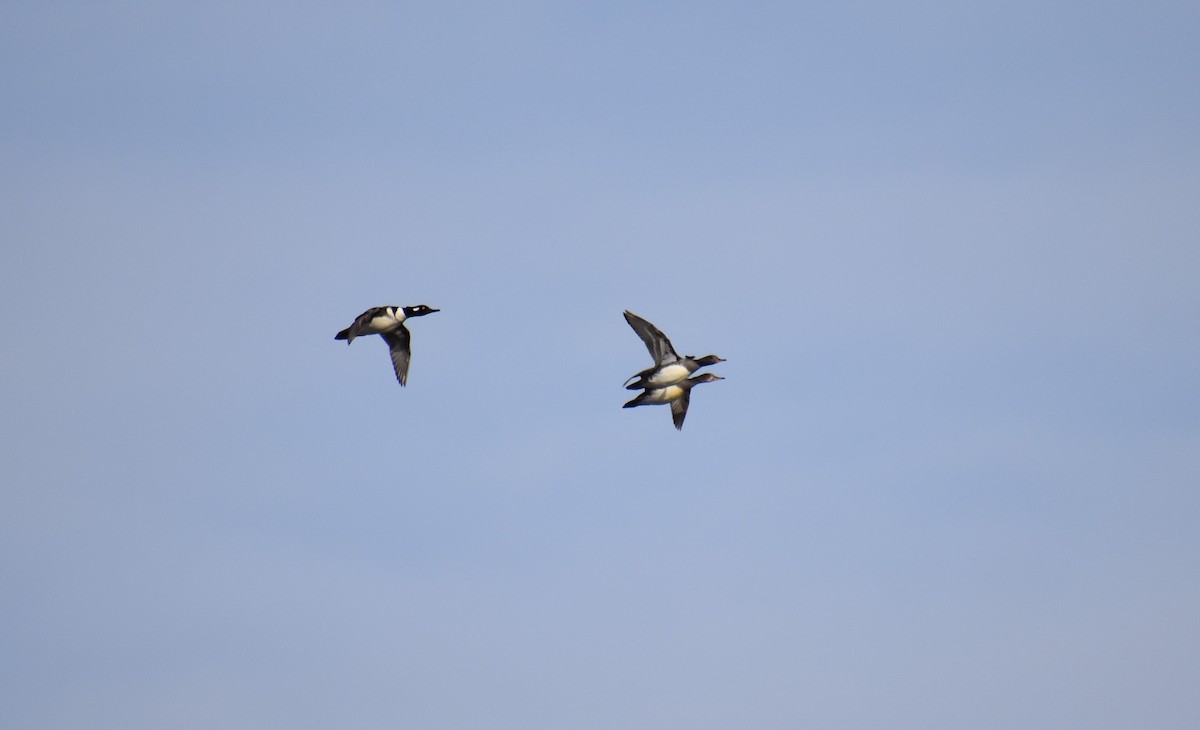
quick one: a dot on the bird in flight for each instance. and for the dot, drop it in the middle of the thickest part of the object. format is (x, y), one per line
(388, 323)
(667, 381)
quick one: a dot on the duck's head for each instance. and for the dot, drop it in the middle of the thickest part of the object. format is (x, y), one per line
(419, 310)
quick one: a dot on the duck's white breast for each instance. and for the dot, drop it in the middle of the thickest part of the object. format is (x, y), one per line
(669, 374)
(665, 395)
(385, 320)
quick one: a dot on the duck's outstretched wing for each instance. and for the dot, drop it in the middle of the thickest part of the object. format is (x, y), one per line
(656, 342)
(679, 408)
(398, 344)
(360, 324)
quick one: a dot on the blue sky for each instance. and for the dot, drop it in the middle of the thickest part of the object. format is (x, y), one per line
(949, 250)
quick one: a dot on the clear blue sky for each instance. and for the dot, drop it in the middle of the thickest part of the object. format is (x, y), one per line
(951, 252)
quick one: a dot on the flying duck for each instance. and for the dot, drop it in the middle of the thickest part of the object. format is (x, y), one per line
(669, 367)
(388, 323)
(677, 394)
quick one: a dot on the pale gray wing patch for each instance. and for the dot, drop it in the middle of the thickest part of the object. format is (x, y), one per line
(397, 341)
(679, 408)
(656, 342)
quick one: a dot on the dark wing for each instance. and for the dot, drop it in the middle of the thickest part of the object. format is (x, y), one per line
(370, 314)
(360, 323)
(679, 408)
(656, 342)
(637, 401)
(644, 374)
(397, 341)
